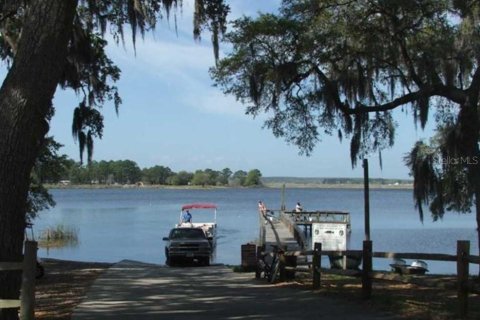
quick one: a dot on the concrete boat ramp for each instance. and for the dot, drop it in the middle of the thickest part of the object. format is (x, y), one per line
(135, 290)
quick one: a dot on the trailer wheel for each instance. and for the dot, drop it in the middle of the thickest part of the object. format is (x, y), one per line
(205, 261)
(40, 271)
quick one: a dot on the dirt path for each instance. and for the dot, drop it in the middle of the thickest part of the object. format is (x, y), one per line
(134, 290)
(64, 286)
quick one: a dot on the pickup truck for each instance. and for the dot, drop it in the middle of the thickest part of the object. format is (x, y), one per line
(186, 244)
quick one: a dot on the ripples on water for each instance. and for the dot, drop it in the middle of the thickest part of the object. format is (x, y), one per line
(116, 224)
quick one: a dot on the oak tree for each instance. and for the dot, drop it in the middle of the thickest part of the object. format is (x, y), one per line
(51, 43)
(341, 67)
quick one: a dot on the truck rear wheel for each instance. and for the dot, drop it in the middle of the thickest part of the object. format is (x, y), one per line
(169, 261)
(172, 261)
(205, 261)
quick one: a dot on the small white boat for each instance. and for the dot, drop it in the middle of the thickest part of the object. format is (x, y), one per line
(401, 267)
(337, 262)
(418, 267)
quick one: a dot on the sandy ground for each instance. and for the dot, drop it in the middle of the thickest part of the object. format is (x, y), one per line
(64, 286)
(66, 283)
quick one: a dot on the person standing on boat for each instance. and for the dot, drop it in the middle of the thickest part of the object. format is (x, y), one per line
(187, 217)
(298, 208)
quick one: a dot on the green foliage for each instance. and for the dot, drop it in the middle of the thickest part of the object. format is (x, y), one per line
(211, 15)
(238, 178)
(253, 178)
(122, 172)
(182, 178)
(441, 179)
(324, 66)
(38, 199)
(103, 171)
(88, 70)
(128, 172)
(79, 174)
(200, 178)
(49, 167)
(424, 166)
(224, 176)
(211, 177)
(156, 175)
(58, 236)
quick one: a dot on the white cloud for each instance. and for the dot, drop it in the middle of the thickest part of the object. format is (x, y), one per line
(213, 101)
(180, 64)
(182, 67)
(164, 55)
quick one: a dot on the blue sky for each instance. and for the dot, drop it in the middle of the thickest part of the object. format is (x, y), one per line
(172, 116)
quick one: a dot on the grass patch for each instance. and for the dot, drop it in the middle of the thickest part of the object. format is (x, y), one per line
(58, 236)
(405, 300)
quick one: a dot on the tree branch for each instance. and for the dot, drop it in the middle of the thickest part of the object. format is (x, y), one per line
(399, 37)
(4, 17)
(9, 40)
(454, 94)
(475, 84)
(332, 90)
(408, 98)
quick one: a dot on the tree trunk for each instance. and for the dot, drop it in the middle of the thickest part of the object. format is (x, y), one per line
(467, 144)
(470, 138)
(477, 209)
(25, 103)
(475, 171)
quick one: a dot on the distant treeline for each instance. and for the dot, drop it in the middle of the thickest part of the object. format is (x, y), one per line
(128, 172)
(332, 181)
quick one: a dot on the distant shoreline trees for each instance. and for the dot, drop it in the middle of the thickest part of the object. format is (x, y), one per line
(128, 172)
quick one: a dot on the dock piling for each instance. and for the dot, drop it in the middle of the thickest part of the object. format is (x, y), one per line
(316, 265)
(463, 251)
(367, 269)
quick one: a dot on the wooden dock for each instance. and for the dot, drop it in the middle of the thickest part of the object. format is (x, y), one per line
(275, 232)
(290, 230)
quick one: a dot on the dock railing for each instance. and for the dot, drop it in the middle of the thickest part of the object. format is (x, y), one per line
(26, 303)
(298, 234)
(264, 219)
(318, 216)
(463, 259)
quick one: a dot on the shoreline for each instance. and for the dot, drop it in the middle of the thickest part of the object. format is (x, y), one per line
(346, 186)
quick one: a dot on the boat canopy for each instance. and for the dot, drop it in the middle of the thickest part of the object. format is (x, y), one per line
(199, 206)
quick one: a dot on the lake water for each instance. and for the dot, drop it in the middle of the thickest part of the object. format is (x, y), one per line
(116, 224)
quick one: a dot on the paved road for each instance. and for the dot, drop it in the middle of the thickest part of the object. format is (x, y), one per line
(134, 290)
